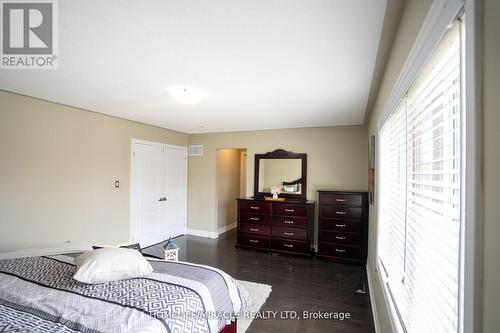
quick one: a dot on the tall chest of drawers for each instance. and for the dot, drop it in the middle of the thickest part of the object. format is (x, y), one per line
(343, 226)
(286, 227)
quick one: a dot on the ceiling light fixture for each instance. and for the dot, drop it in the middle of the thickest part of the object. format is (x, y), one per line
(188, 95)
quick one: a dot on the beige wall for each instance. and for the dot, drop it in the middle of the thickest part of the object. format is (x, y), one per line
(411, 21)
(337, 158)
(228, 185)
(59, 165)
(491, 165)
(414, 14)
(57, 172)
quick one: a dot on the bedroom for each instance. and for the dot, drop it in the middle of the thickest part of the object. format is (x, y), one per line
(249, 78)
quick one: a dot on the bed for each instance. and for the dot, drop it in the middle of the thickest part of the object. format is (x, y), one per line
(38, 294)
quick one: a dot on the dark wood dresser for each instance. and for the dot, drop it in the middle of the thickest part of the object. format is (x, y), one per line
(286, 227)
(343, 226)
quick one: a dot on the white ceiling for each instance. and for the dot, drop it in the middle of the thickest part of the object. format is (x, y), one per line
(264, 63)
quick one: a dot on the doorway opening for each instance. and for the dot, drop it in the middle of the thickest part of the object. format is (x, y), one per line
(231, 183)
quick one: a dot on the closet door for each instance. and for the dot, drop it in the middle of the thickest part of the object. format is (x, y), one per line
(173, 188)
(159, 193)
(146, 194)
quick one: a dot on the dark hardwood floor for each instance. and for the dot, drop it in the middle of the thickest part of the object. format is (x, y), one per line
(298, 284)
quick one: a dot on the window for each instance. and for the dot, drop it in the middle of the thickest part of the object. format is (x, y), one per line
(420, 194)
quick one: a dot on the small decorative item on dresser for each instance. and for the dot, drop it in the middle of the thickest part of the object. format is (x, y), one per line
(171, 251)
(274, 199)
(275, 190)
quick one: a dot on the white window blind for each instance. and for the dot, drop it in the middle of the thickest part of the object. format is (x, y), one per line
(420, 191)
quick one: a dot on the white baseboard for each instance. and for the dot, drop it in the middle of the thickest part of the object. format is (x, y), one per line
(210, 234)
(202, 233)
(372, 300)
(226, 228)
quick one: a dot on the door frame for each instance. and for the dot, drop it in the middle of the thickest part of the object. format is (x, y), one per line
(132, 182)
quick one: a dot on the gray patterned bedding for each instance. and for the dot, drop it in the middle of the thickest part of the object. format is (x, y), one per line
(39, 294)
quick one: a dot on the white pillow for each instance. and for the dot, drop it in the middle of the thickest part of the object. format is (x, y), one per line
(110, 264)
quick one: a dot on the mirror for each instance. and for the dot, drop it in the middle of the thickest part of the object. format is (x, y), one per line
(281, 168)
(280, 172)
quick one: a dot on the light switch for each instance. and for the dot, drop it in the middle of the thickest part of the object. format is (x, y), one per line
(117, 184)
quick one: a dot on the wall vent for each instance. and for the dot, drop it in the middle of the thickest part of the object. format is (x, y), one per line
(196, 150)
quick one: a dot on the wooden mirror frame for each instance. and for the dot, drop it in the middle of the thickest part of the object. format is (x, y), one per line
(281, 154)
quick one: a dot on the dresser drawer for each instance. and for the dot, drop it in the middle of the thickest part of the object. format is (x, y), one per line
(340, 212)
(339, 225)
(290, 245)
(255, 218)
(251, 240)
(341, 199)
(290, 233)
(255, 207)
(255, 229)
(340, 238)
(290, 210)
(290, 221)
(338, 250)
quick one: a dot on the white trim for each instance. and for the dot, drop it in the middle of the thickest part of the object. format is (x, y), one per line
(226, 228)
(376, 321)
(472, 214)
(131, 184)
(131, 193)
(396, 325)
(153, 143)
(202, 233)
(439, 16)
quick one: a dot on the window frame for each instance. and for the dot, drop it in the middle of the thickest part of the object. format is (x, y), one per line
(440, 15)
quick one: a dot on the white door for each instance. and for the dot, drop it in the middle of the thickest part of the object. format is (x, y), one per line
(173, 187)
(159, 192)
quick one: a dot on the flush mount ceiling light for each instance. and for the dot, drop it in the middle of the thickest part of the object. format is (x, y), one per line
(187, 95)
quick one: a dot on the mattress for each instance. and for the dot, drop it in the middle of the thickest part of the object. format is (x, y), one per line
(38, 294)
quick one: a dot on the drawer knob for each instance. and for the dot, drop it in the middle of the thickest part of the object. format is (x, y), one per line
(340, 237)
(288, 245)
(254, 218)
(288, 233)
(254, 207)
(288, 222)
(289, 210)
(339, 250)
(254, 229)
(340, 225)
(340, 213)
(253, 241)
(340, 200)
